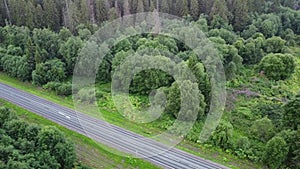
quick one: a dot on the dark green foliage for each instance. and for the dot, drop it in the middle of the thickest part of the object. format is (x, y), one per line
(271, 110)
(245, 33)
(47, 43)
(240, 11)
(242, 147)
(63, 89)
(15, 65)
(291, 116)
(291, 138)
(194, 8)
(202, 78)
(174, 96)
(296, 151)
(222, 135)
(220, 8)
(275, 45)
(252, 50)
(276, 152)
(268, 24)
(50, 71)
(262, 129)
(6, 115)
(277, 66)
(23, 145)
(70, 50)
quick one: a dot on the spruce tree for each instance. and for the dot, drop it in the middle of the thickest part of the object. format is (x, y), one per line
(195, 10)
(240, 13)
(51, 14)
(219, 8)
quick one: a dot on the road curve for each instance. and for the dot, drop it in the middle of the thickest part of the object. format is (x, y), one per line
(111, 135)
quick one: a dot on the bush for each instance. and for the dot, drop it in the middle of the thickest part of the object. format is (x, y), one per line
(23, 145)
(277, 66)
(262, 129)
(276, 152)
(63, 89)
(52, 70)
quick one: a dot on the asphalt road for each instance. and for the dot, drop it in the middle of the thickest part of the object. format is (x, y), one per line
(110, 135)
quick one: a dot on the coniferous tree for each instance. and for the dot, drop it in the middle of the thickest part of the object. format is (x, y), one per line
(219, 8)
(39, 22)
(140, 6)
(195, 11)
(240, 13)
(101, 11)
(165, 8)
(51, 15)
(126, 7)
(181, 7)
(29, 12)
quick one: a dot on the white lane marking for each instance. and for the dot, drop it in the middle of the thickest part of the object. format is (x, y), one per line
(63, 114)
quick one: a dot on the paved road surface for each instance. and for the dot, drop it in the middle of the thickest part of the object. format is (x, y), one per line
(111, 135)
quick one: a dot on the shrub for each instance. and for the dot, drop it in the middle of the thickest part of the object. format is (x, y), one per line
(277, 66)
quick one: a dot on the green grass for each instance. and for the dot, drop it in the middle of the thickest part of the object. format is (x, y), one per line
(89, 152)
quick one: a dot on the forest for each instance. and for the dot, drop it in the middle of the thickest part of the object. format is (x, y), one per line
(258, 42)
(24, 145)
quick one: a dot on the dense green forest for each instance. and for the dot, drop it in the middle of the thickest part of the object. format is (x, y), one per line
(24, 145)
(258, 43)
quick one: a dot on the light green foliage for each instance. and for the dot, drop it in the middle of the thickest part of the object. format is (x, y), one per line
(243, 31)
(218, 22)
(296, 151)
(289, 36)
(277, 66)
(86, 95)
(242, 147)
(64, 34)
(232, 61)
